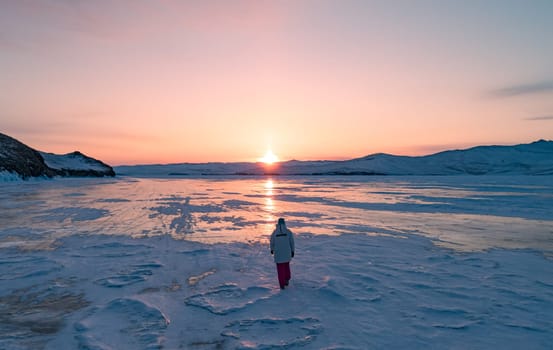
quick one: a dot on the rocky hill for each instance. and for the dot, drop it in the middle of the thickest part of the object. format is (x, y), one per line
(21, 160)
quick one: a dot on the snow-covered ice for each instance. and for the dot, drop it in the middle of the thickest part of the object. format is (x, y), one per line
(381, 262)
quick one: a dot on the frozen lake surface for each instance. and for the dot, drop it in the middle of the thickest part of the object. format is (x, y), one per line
(382, 262)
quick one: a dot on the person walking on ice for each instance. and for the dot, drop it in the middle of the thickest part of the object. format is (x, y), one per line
(282, 247)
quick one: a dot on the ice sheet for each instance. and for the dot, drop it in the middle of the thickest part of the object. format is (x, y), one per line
(456, 262)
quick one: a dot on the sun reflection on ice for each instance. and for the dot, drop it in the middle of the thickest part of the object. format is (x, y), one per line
(269, 185)
(269, 206)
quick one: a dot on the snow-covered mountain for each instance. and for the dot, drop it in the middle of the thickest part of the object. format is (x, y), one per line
(535, 158)
(76, 164)
(18, 160)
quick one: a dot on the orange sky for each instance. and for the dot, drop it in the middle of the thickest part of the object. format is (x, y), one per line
(172, 81)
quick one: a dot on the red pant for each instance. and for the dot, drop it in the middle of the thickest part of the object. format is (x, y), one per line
(284, 274)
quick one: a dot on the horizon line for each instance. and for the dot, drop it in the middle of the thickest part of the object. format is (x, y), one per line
(339, 159)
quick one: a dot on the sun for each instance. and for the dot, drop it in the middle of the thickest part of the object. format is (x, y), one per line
(269, 157)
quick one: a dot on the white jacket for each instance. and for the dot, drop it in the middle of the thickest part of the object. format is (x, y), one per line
(282, 244)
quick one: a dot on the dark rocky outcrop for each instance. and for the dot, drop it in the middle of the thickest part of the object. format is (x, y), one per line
(18, 158)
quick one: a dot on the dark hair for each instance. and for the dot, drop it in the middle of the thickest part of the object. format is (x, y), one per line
(281, 221)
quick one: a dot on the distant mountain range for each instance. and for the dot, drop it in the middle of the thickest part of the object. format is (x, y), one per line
(21, 161)
(535, 158)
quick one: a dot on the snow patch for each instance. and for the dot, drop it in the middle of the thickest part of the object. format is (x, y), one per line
(124, 323)
(7, 176)
(74, 161)
(228, 298)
